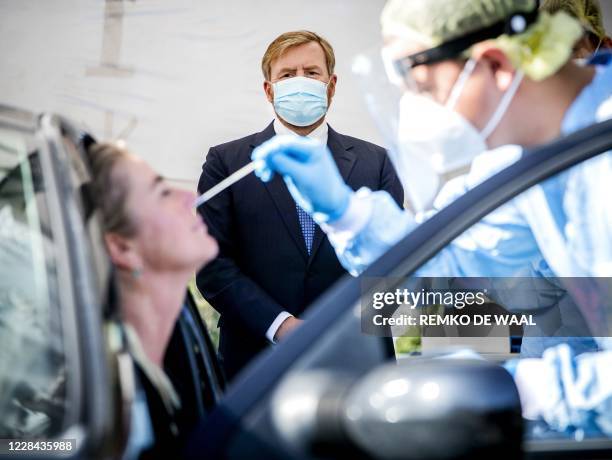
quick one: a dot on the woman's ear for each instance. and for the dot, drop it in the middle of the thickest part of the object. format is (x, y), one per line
(497, 64)
(122, 252)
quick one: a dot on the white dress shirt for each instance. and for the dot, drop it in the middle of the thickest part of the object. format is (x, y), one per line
(319, 134)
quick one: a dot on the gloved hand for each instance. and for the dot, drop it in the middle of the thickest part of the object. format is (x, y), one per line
(310, 173)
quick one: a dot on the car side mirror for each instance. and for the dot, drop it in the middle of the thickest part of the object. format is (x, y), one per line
(420, 408)
(435, 408)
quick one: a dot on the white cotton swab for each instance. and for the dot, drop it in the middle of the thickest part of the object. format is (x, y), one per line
(227, 182)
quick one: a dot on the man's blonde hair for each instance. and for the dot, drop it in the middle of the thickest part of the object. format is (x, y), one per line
(291, 39)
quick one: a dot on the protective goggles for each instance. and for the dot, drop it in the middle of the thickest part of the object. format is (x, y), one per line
(514, 24)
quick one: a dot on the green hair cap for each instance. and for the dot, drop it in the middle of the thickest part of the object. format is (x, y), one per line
(545, 47)
(539, 52)
(588, 12)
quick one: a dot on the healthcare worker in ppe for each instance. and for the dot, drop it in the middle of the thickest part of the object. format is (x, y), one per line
(501, 75)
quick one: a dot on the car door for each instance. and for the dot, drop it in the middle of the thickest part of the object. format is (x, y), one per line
(64, 374)
(332, 341)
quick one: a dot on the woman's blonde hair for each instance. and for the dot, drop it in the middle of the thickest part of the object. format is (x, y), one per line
(109, 189)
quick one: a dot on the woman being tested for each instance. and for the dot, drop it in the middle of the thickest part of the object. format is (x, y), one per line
(156, 243)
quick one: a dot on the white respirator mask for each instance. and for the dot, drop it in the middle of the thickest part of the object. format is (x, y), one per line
(436, 140)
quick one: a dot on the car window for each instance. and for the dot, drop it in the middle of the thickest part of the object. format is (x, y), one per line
(33, 386)
(525, 278)
(506, 263)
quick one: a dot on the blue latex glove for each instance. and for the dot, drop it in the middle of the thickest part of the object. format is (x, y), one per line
(569, 392)
(310, 173)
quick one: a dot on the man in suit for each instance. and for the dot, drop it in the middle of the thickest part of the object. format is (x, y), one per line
(274, 261)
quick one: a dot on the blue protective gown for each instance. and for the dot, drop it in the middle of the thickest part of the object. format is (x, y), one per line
(560, 228)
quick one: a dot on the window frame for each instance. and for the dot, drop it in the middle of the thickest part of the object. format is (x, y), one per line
(106, 394)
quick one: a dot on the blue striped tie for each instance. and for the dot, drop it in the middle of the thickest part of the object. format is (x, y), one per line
(308, 227)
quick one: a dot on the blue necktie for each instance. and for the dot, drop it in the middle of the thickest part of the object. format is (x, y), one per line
(308, 227)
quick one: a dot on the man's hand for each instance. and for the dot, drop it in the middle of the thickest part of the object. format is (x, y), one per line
(286, 327)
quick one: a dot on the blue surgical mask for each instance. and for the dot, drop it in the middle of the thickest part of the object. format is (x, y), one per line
(300, 101)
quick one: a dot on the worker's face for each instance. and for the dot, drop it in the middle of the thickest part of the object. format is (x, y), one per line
(480, 95)
(307, 60)
(474, 104)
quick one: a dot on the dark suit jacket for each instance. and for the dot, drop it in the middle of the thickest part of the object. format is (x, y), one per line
(263, 266)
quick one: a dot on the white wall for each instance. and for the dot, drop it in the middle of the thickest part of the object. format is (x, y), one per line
(175, 76)
(180, 75)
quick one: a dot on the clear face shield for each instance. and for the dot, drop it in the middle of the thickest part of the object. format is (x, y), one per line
(382, 99)
(428, 141)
